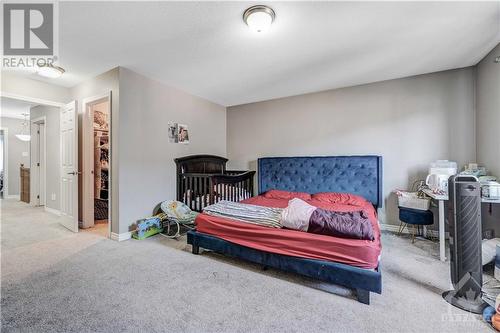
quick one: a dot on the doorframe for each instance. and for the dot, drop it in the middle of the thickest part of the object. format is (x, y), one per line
(38, 177)
(31, 99)
(5, 162)
(88, 159)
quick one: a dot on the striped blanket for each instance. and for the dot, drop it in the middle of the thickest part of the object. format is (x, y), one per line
(264, 216)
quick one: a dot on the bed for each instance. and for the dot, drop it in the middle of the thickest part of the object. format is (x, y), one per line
(351, 263)
(203, 180)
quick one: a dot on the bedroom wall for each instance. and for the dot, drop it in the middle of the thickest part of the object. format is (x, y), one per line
(146, 158)
(410, 122)
(488, 126)
(52, 137)
(15, 157)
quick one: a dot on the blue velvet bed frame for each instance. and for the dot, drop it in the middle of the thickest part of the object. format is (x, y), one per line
(360, 175)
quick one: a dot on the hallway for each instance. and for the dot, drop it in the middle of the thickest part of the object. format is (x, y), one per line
(32, 239)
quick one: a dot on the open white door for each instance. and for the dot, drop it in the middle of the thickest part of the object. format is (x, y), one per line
(69, 166)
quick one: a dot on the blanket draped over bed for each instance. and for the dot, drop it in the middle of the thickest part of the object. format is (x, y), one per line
(299, 215)
(264, 216)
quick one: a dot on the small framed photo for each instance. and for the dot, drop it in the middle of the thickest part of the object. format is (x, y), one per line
(173, 133)
(182, 133)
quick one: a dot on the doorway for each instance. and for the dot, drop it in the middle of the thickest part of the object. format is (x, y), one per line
(3, 163)
(96, 155)
(42, 160)
(38, 161)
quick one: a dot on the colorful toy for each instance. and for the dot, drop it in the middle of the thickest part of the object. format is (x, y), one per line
(488, 313)
(148, 227)
(495, 321)
(178, 215)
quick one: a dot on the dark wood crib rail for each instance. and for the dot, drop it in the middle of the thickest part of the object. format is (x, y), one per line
(236, 186)
(203, 180)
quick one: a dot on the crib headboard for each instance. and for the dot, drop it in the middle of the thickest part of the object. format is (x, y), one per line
(361, 175)
(201, 164)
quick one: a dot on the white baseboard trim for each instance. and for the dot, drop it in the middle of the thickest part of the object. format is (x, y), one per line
(13, 196)
(395, 228)
(52, 211)
(121, 237)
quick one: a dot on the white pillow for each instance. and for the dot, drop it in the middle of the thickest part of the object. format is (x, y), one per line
(296, 216)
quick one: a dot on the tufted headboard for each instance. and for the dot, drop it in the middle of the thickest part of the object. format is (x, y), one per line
(361, 175)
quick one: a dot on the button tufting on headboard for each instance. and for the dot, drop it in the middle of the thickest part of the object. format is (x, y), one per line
(360, 175)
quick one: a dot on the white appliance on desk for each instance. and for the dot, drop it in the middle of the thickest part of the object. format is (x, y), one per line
(439, 173)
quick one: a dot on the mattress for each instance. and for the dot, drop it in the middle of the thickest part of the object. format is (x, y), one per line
(354, 252)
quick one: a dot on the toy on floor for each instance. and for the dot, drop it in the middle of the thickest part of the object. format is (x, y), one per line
(491, 314)
(148, 227)
(495, 321)
(169, 217)
(488, 314)
(178, 215)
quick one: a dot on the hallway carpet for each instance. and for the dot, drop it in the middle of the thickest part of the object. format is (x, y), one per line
(57, 281)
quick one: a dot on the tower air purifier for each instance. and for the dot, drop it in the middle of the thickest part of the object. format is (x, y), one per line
(464, 221)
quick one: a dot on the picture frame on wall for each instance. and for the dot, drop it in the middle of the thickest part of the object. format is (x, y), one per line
(182, 133)
(172, 132)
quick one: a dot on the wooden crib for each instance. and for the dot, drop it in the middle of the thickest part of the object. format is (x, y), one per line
(203, 180)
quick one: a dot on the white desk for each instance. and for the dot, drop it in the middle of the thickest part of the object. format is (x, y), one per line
(441, 199)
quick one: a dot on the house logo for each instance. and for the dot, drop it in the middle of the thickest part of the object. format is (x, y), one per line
(28, 29)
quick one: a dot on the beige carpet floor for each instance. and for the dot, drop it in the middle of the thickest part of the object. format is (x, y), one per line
(57, 281)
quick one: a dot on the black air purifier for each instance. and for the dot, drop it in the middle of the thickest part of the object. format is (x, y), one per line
(464, 221)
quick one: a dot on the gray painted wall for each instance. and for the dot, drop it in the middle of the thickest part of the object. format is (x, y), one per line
(146, 158)
(15, 156)
(52, 118)
(488, 112)
(488, 127)
(410, 122)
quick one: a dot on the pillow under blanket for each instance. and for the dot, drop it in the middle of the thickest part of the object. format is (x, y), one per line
(299, 215)
(341, 224)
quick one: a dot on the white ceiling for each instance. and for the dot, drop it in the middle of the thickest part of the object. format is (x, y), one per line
(13, 108)
(205, 48)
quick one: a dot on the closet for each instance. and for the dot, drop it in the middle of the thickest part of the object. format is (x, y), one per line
(101, 162)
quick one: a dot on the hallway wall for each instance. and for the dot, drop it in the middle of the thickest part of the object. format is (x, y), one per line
(18, 153)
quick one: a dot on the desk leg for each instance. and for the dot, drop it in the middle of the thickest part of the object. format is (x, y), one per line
(442, 250)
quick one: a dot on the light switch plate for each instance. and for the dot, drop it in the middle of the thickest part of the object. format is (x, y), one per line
(25, 154)
(53, 196)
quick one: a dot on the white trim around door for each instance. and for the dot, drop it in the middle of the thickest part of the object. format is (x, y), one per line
(30, 99)
(88, 162)
(6, 162)
(39, 177)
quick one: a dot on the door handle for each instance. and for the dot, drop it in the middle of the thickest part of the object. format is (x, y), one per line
(74, 173)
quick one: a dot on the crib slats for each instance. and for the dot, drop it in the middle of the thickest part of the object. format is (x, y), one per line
(199, 190)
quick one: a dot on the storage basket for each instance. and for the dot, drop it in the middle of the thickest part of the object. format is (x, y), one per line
(412, 200)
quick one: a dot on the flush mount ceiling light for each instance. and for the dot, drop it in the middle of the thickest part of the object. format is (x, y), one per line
(50, 71)
(259, 18)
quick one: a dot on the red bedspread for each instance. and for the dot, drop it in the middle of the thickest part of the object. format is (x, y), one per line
(354, 252)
